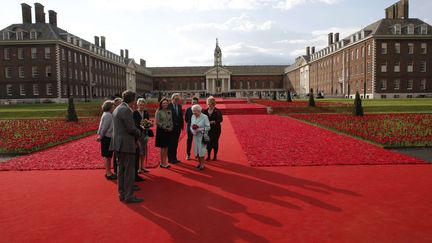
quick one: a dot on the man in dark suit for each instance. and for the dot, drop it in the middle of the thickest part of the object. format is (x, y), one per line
(188, 117)
(177, 118)
(123, 143)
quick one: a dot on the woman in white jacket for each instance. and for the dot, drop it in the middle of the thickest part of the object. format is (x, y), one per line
(200, 125)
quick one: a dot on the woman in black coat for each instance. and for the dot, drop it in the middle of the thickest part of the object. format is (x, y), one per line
(215, 118)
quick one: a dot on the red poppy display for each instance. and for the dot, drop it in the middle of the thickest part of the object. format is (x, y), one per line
(270, 140)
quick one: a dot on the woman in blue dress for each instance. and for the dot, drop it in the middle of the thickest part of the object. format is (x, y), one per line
(200, 125)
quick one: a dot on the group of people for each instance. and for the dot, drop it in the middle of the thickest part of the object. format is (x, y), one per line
(124, 138)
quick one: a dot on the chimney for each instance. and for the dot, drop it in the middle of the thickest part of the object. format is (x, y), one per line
(313, 50)
(126, 53)
(308, 51)
(26, 13)
(330, 39)
(121, 53)
(399, 10)
(39, 13)
(52, 17)
(97, 41)
(103, 42)
(336, 37)
(143, 62)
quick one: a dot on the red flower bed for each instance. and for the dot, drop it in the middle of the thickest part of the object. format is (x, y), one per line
(390, 130)
(275, 103)
(76, 155)
(23, 136)
(270, 140)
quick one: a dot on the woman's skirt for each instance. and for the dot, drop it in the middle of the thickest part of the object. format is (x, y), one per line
(105, 144)
(163, 138)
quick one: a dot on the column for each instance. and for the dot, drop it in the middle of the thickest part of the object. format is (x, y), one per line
(214, 86)
(223, 85)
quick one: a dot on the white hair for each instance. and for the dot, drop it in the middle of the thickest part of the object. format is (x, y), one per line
(174, 95)
(141, 101)
(196, 108)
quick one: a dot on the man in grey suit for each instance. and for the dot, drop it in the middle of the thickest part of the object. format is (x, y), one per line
(123, 144)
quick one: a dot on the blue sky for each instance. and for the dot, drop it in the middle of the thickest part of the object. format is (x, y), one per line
(183, 32)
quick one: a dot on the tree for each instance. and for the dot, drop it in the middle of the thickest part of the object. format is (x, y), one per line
(289, 99)
(274, 95)
(71, 113)
(259, 95)
(311, 98)
(358, 108)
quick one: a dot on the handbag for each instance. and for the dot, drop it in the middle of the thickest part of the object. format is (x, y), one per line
(205, 138)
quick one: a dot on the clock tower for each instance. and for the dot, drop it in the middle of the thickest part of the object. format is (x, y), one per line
(217, 55)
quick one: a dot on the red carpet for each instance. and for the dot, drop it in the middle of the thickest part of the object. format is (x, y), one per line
(228, 202)
(281, 141)
(238, 109)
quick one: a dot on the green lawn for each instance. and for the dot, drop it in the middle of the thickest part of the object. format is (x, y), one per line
(48, 110)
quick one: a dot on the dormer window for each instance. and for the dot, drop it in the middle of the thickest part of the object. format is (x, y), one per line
(410, 30)
(397, 29)
(33, 35)
(424, 29)
(20, 35)
(6, 35)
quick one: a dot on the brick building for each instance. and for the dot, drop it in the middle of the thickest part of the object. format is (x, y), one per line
(41, 62)
(390, 58)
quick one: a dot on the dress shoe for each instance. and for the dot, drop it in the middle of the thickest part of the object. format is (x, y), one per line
(174, 162)
(208, 158)
(136, 188)
(134, 200)
(214, 158)
(201, 167)
(139, 179)
(121, 198)
(165, 166)
(111, 177)
(188, 157)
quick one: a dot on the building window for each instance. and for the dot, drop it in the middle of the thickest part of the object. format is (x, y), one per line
(48, 71)
(21, 72)
(9, 89)
(75, 58)
(424, 29)
(410, 48)
(397, 67)
(7, 54)
(35, 89)
(383, 84)
(63, 55)
(423, 84)
(410, 84)
(396, 84)
(20, 35)
(8, 72)
(22, 90)
(80, 58)
(384, 48)
(357, 54)
(47, 53)
(397, 48)
(76, 74)
(423, 48)
(69, 56)
(384, 67)
(33, 35)
(369, 50)
(410, 66)
(410, 29)
(35, 71)
(423, 66)
(397, 29)
(34, 53)
(49, 89)
(20, 53)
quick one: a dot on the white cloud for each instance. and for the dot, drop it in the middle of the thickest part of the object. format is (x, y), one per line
(203, 5)
(289, 4)
(242, 23)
